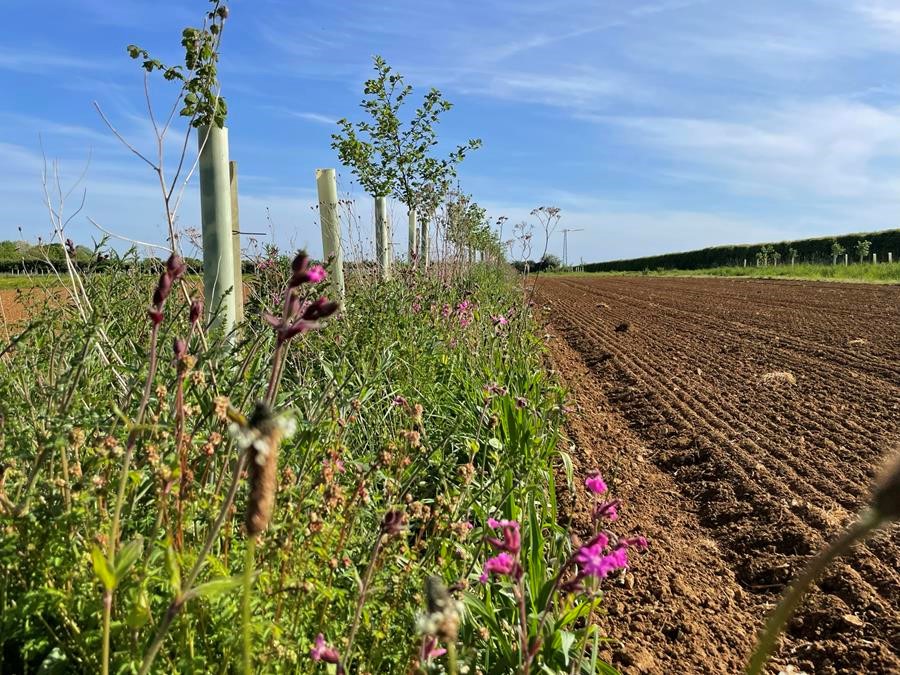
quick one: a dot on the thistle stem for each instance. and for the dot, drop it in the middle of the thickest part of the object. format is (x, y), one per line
(867, 522)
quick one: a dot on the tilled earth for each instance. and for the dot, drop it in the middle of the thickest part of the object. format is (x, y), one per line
(743, 423)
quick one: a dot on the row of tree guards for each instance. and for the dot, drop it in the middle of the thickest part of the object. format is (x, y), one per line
(890, 260)
(222, 277)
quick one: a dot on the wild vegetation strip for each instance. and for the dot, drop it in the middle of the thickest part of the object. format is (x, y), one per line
(771, 406)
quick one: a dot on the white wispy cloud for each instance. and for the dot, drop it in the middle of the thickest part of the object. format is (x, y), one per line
(21, 60)
(315, 117)
(828, 149)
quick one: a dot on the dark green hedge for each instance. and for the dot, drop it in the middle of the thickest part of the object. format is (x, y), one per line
(808, 251)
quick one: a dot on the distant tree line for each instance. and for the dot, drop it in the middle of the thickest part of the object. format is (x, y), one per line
(822, 250)
(21, 257)
(545, 264)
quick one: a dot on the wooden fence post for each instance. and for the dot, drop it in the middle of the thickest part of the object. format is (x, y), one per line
(890, 257)
(236, 244)
(326, 184)
(382, 239)
(874, 258)
(846, 259)
(215, 212)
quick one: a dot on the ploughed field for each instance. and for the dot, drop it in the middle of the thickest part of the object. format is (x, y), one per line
(747, 419)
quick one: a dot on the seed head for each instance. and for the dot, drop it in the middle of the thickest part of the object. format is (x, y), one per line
(886, 500)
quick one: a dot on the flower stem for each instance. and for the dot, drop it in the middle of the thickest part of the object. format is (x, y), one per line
(867, 522)
(120, 497)
(248, 587)
(363, 591)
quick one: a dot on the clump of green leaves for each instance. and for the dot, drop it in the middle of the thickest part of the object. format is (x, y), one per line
(393, 157)
(863, 248)
(836, 250)
(199, 75)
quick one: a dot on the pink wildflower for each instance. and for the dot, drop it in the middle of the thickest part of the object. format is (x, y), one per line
(324, 652)
(608, 510)
(503, 565)
(595, 484)
(594, 563)
(430, 649)
(315, 274)
(512, 539)
(500, 320)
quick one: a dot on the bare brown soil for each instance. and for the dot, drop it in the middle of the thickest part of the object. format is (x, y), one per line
(742, 423)
(14, 305)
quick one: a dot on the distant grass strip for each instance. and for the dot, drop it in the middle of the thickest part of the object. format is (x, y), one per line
(863, 273)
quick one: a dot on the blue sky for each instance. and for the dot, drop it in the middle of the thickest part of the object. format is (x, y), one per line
(655, 125)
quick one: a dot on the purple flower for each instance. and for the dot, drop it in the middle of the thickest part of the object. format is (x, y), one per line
(500, 320)
(593, 562)
(503, 565)
(315, 274)
(608, 510)
(430, 649)
(324, 652)
(512, 539)
(595, 484)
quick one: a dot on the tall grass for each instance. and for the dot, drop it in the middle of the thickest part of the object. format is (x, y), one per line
(421, 412)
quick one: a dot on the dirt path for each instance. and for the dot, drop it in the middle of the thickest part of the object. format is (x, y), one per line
(736, 474)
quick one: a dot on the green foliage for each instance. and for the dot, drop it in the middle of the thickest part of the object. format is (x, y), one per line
(837, 250)
(395, 411)
(203, 103)
(812, 251)
(862, 248)
(467, 226)
(550, 262)
(391, 156)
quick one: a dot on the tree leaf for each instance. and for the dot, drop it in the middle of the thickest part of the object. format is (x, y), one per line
(216, 587)
(127, 557)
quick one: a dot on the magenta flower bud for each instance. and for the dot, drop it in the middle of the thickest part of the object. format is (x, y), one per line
(298, 269)
(163, 288)
(196, 310)
(179, 346)
(285, 333)
(175, 266)
(156, 315)
(320, 309)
